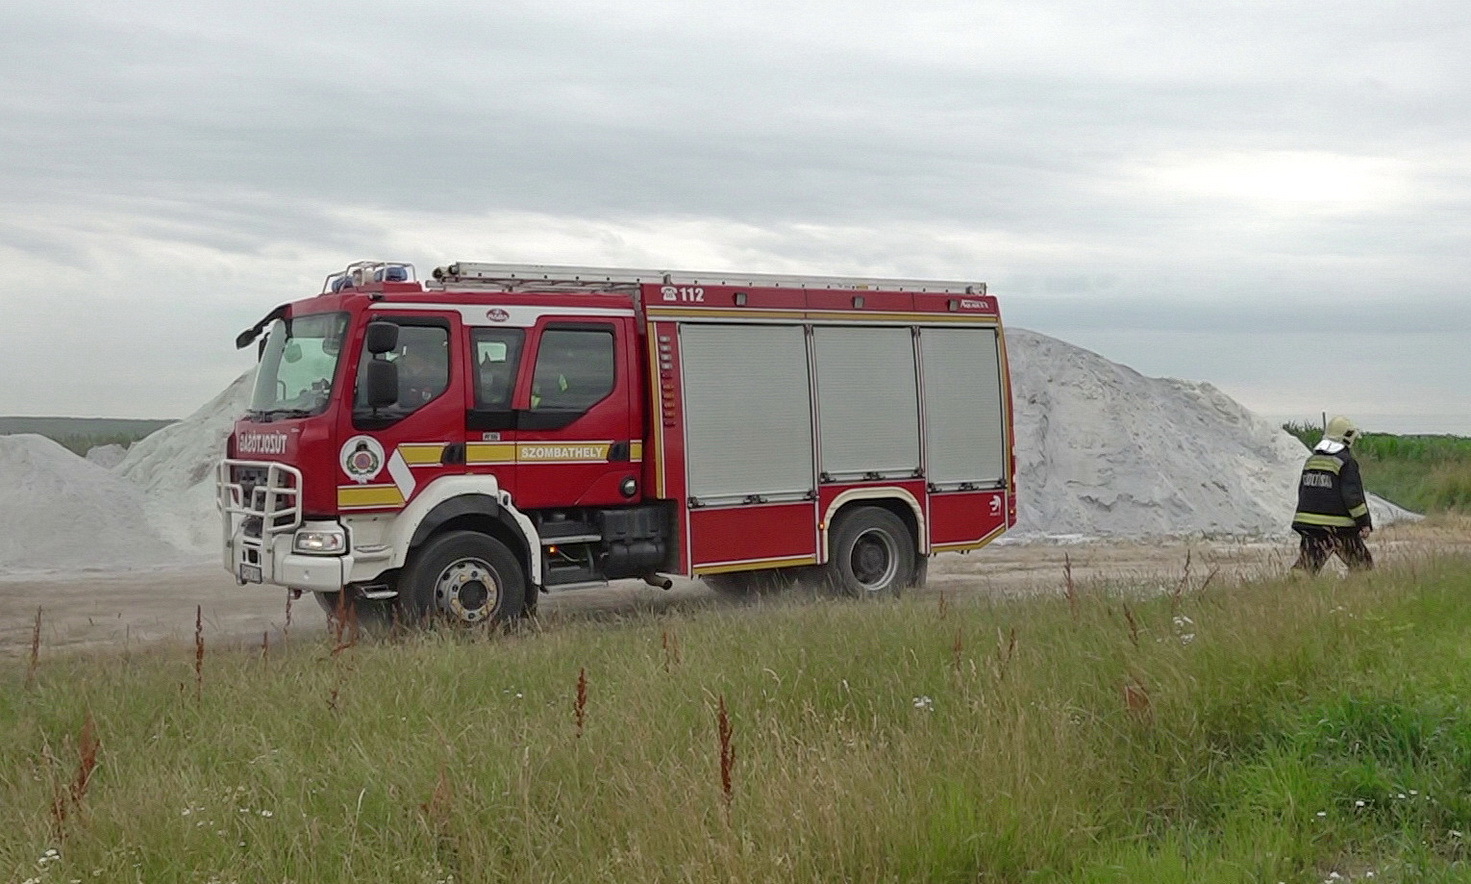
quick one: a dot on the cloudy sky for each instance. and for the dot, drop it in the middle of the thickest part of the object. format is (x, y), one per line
(1270, 196)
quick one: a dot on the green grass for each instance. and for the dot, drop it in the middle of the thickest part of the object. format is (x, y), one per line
(1275, 731)
(1426, 474)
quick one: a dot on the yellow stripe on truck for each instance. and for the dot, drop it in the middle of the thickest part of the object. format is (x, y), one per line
(349, 496)
(484, 453)
(478, 453)
(420, 454)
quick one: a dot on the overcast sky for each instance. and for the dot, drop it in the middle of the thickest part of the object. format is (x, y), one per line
(1270, 196)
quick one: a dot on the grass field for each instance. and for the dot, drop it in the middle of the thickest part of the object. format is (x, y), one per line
(1273, 731)
(1426, 474)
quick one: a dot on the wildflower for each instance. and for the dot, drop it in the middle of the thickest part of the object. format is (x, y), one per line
(1359, 803)
(924, 703)
(1322, 813)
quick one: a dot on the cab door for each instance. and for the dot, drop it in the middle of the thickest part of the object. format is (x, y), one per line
(495, 358)
(389, 454)
(576, 439)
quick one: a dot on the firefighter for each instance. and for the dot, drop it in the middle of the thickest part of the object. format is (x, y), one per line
(1332, 515)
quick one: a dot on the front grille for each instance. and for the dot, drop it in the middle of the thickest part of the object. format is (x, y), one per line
(264, 496)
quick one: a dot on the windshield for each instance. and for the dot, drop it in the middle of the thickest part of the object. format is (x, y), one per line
(294, 378)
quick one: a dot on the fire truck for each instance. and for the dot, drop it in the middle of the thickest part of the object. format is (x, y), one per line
(455, 447)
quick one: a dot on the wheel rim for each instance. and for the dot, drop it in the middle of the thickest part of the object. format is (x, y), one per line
(467, 590)
(874, 560)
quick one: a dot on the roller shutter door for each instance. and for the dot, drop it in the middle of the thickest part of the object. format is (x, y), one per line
(748, 412)
(868, 401)
(964, 430)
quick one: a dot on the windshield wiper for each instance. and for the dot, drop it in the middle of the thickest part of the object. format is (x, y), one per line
(272, 414)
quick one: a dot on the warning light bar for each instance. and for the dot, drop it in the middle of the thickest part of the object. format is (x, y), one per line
(361, 273)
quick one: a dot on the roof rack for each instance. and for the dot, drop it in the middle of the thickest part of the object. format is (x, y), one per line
(360, 273)
(572, 278)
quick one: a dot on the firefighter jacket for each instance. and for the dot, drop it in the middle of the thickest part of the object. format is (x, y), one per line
(1330, 493)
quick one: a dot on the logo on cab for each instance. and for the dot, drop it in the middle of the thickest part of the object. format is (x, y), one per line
(361, 458)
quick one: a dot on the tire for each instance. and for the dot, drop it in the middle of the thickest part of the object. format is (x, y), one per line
(921, 572)
(870, 554)
(465, 577)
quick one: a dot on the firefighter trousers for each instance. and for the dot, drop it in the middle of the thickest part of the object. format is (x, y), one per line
(1320, 543)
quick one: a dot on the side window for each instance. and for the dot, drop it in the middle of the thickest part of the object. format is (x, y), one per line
(497, 354)
(574, 370)
(422, 357)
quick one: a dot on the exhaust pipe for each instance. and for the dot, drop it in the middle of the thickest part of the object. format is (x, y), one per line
(658, 580)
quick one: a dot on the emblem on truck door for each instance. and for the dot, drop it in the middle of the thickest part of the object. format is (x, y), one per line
(362, 458)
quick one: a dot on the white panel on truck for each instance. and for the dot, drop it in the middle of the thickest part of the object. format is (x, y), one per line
(867, 401)
(965, 438)
(748, 411)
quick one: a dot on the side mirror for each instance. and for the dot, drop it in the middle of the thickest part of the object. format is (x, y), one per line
(381, 337)
(380, 384)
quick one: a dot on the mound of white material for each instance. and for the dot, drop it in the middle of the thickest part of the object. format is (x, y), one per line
(57, 511)
(1104, 451)
(107, 456)
(175, 469)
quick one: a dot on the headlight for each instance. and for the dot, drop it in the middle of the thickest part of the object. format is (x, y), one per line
(319, 542)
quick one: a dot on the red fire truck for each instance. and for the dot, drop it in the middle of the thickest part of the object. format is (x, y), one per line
(459, 445)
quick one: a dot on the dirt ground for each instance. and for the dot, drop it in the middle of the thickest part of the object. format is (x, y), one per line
(123, 610)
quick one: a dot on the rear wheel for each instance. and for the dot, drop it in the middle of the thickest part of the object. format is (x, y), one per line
(871, 553)
(465, 577)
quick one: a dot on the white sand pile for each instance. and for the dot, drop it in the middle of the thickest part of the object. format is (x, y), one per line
(106, 456)
(1104, 451)
(60, 513)
(175, 466)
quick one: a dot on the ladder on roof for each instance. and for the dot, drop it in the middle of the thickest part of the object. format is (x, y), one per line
(572, 278)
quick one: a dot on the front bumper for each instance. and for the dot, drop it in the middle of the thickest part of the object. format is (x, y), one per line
(260, 511)
(251, 560)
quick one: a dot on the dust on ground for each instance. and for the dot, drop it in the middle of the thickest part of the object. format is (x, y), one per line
(131, 609)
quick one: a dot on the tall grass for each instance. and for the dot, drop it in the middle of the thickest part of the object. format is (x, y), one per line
(1426, 474)
(1274, 731)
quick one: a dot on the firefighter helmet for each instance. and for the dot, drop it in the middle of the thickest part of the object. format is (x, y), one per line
(1341, 429)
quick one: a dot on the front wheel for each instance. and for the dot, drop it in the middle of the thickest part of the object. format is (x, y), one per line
(871, 553)
(465, 577)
